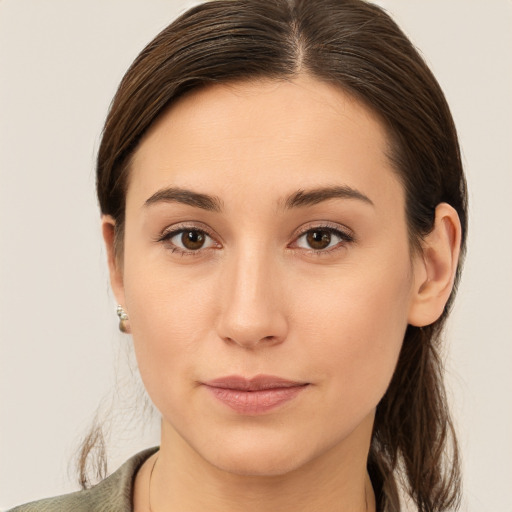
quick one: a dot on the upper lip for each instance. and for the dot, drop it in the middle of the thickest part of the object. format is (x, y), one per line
(256, 383)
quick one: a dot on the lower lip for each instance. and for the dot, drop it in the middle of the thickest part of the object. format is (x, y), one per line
(255, 402)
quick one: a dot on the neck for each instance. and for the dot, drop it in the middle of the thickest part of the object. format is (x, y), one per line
(335, 481)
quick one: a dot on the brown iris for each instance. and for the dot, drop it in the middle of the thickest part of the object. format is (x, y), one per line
(318, 239)
(193, 240)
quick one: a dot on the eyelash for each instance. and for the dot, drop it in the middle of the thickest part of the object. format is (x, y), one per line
(168, 234)
(344, 234)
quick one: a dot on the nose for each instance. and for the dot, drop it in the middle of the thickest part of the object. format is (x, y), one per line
(252, 313)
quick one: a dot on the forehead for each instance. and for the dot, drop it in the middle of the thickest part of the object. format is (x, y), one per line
(268, 136)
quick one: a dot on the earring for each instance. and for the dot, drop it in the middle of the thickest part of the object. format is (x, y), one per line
(123, 318)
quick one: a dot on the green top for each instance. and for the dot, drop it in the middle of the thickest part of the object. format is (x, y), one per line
(114, 494)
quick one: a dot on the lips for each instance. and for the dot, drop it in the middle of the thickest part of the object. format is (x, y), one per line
(257, 395)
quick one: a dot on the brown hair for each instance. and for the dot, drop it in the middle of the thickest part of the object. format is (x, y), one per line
(358, 47)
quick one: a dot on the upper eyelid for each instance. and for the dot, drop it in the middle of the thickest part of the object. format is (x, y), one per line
(297, 233)
(183, 226)
(332, 226)
(171, 231)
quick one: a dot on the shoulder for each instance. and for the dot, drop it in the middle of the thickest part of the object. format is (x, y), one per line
(114, 494)
(78, 501)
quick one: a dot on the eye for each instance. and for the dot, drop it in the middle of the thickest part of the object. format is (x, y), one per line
(322, 239)
(188, 240)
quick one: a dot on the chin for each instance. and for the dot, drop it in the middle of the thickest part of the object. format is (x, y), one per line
(258, 463)
(261, 453)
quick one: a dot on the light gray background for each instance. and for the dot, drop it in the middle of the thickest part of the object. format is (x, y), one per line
(60, 351)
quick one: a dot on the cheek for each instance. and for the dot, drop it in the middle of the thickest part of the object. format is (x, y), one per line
(171, 314)
(355, 326)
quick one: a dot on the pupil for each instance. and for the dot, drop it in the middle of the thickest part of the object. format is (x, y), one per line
(193, 239)
(319, 239)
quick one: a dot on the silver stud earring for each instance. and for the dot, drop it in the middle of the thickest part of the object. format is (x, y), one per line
(123, 318)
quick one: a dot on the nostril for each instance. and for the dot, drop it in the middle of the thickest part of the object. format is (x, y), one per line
(251, 342)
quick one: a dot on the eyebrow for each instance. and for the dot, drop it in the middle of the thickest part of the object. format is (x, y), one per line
(303, 198)
(299, 199)
(184, 196)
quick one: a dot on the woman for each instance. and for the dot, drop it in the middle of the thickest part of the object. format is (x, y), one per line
(284, 211)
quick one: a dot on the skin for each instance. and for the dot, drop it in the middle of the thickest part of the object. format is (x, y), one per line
(258, 299)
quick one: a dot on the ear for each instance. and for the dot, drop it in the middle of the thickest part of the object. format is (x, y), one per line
(108, 227)
(435, 267)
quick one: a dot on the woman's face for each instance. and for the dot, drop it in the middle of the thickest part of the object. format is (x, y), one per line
(266, 237)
